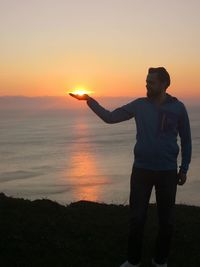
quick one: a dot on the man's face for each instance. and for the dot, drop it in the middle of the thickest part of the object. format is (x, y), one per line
(154, 86)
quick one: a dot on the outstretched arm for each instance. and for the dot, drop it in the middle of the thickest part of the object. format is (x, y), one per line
(123, 113)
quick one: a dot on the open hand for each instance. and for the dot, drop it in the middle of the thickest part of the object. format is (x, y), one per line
(80, 97)
(182, 177)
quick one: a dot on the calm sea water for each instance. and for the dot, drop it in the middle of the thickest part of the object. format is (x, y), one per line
(68, 156)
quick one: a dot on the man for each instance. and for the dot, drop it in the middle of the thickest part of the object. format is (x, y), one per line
(159, 119)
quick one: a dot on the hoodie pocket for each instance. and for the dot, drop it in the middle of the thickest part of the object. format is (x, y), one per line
(168, 121)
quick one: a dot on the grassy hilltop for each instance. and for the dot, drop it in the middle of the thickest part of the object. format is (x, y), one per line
(85, 234)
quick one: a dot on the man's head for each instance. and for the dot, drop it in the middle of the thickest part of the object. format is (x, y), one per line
(157, 81)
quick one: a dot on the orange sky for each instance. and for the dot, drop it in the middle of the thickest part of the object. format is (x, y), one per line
(51, 47)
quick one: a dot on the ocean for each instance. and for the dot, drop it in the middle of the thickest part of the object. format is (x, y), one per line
(68, 155)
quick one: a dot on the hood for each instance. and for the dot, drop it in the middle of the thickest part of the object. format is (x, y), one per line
(170, 98)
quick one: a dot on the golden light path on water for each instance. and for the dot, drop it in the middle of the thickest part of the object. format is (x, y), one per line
(85, 175)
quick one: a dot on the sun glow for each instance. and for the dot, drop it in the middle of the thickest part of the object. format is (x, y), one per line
(80, 91)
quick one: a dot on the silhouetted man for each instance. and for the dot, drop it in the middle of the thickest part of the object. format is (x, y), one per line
(159, 119)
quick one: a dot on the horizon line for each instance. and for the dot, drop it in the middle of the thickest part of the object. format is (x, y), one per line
(101, 96)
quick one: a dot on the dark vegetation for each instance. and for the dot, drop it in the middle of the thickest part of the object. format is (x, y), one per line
(86, 234)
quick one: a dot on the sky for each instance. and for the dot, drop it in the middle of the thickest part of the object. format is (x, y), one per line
(50, 47)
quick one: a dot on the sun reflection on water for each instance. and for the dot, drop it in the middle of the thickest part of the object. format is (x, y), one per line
(85, 174)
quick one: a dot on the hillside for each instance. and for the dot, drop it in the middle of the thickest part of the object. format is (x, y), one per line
(44, 233)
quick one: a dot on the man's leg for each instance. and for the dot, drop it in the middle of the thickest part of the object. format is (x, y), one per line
(141, 187)
(165, 186)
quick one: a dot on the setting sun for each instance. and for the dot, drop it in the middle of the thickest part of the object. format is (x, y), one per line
(80, 91)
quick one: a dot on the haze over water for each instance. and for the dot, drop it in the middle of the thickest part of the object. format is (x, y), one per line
(71, 155)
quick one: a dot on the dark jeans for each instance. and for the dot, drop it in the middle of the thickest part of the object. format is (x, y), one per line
(142, 182)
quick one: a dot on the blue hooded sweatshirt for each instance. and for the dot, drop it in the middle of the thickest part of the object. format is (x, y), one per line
(156, 145)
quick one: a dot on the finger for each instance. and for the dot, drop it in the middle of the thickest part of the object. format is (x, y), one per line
(181, 181)
(75, 96)
(71, 94)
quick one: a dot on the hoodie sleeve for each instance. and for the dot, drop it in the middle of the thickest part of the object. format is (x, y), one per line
(123, 113)
(186, 144)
